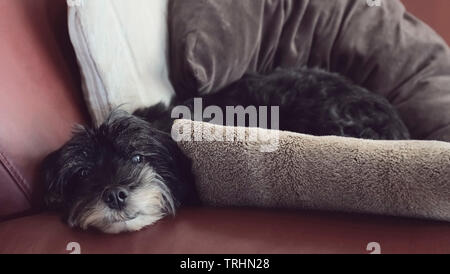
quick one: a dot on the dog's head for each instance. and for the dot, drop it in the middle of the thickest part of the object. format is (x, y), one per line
(120, 176)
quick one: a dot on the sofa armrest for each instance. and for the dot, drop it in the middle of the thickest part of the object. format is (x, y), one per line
(40, 98)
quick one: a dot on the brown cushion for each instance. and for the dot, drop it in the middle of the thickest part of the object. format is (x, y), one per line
(280, 169)
(384, 49)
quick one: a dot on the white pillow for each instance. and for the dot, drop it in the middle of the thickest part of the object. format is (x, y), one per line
(121, 46)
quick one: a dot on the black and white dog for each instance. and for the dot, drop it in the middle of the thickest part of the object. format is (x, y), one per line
(128, 173)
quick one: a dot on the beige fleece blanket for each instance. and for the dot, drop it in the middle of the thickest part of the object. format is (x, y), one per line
(288, 170)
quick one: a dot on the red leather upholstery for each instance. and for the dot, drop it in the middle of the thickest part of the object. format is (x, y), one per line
(39, 103)
(434, 12)
(208, 231)
(39, 91)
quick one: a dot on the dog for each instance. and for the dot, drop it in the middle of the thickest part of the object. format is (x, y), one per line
(128, 173)
(121, 176)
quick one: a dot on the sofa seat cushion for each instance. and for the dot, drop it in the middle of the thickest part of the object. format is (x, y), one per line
(209, 231)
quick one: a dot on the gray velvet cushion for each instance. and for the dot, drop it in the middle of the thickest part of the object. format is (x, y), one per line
(385, 49)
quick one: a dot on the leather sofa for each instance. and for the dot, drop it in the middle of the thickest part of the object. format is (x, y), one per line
(40, 100)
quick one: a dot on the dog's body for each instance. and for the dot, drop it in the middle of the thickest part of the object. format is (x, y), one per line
(311, 101)
(129, 173)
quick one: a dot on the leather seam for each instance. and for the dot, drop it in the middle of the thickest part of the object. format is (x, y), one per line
(16, 177)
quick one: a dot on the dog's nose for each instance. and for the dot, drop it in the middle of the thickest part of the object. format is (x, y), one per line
(115, 197)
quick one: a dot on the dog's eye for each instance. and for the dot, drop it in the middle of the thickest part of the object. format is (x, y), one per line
(137, 159)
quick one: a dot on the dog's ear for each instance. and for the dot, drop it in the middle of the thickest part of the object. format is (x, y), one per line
(53, 180)
(182, 184)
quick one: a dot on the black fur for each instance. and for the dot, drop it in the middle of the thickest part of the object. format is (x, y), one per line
(97, 158)
(311, 101)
